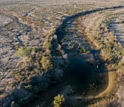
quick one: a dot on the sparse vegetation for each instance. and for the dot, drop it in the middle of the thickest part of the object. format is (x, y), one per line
(25, 32)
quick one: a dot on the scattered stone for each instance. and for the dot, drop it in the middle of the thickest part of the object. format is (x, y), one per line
(67, 90)
(88, 57)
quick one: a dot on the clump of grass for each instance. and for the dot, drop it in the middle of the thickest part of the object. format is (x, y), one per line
(23, 52)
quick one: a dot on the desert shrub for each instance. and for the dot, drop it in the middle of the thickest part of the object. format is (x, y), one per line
(122, 21)
(47, 45)
(83, 50)
(66, 38)
(35, 50)
(111, 39)
(75, 36)
(9, 58)
(29, 87)
(58, 101)
(23, 52)
(46, 62)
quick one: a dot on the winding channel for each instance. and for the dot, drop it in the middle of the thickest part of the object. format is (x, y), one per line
(45, 98)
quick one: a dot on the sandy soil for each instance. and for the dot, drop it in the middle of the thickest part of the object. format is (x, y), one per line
(4, 20)
(20, 32)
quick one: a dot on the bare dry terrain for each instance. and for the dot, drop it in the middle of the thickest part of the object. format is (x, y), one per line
(38, 39)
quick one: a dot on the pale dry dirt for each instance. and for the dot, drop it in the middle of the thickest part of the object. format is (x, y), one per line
(4, 20)
(16, 33)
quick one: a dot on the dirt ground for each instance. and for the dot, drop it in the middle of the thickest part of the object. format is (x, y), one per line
(24, 23)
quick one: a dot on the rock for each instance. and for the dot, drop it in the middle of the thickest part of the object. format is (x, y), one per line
(59, 47)
(22, 93)
(88, 57)
(13, 104)
(55, 36)
(68, 22)
(67, 90)
(59, 73)
(65, 56)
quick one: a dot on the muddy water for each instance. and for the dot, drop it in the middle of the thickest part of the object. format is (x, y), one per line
(86, 79)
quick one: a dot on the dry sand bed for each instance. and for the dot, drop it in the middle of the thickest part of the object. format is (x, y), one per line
(4, 20)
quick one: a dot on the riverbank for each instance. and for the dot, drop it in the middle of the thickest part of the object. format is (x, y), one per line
(75, 42)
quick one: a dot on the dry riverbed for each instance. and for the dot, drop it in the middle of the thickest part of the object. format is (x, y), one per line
(38, 40)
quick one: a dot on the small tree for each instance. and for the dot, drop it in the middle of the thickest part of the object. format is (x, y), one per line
(58, 101)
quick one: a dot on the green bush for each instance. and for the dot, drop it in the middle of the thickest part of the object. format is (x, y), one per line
(58, 101)
(46, 62)
(23, 52)
(47, 45)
